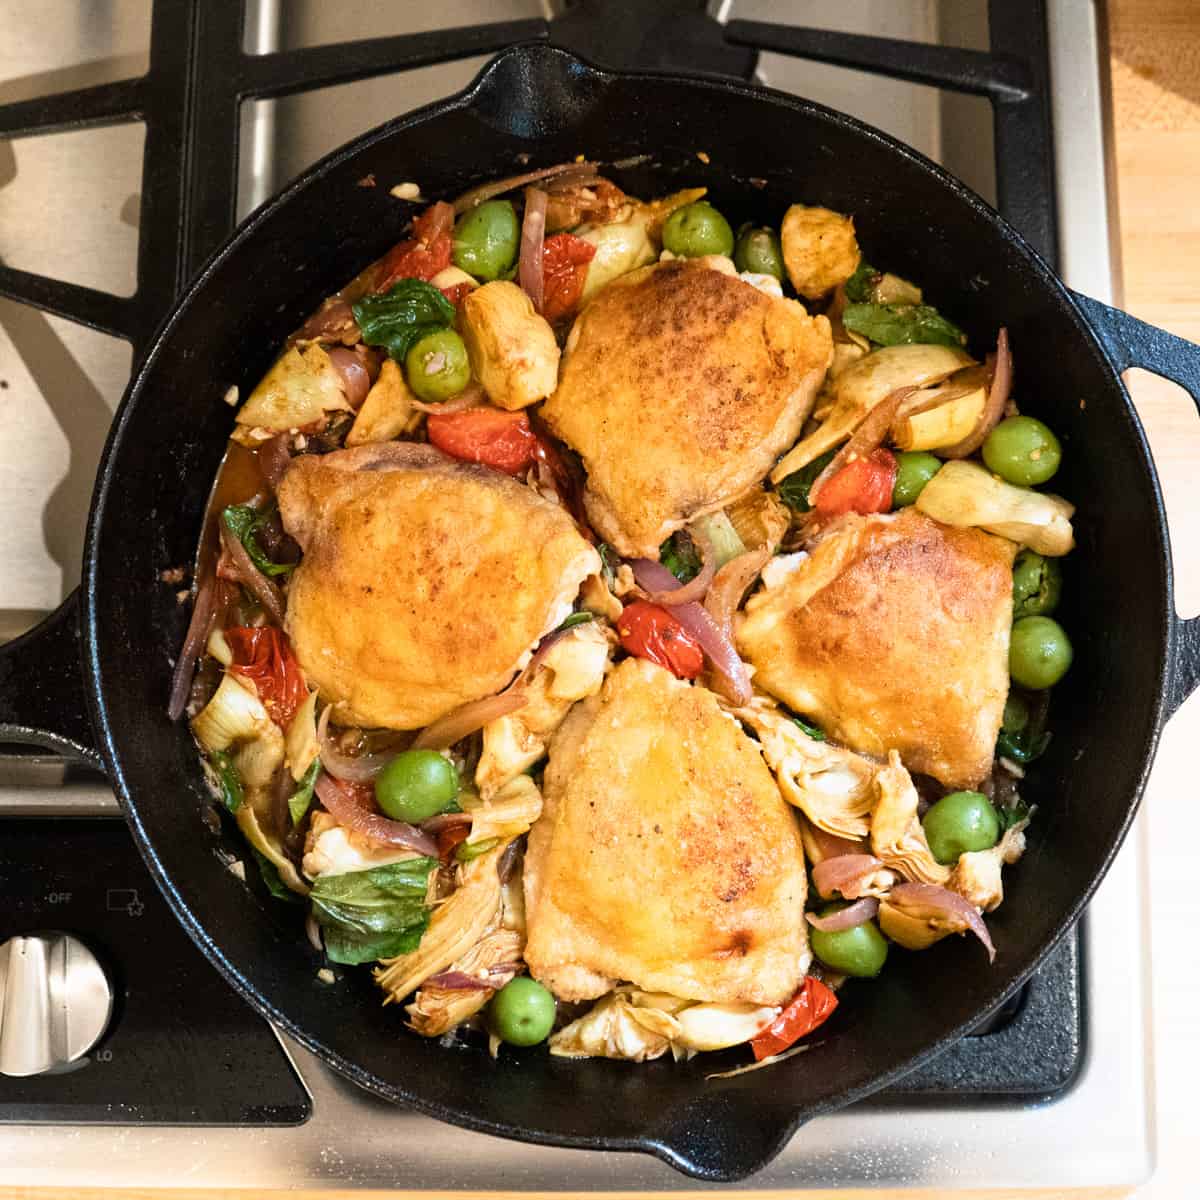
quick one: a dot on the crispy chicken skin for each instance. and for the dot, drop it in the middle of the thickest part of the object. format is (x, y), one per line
(893, 635)
(665, 855)
(424, 579)
(680, 387)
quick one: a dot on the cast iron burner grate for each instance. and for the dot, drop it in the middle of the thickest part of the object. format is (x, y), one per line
(190, 100)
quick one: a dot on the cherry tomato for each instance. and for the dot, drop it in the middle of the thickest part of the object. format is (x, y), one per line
(265, 657)
(456, 291)
(564, 268)
(862, 486)
(499, 439)
(423, 255)
(808, 1008)
(650, 631)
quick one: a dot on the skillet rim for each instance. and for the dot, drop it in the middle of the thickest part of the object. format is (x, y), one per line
(655, 1140)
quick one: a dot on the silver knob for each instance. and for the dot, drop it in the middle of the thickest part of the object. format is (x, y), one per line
(55, 1002)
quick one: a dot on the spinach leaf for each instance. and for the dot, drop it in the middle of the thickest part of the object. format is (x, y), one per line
(609, 562)
(1012, 815)
(576, 618)
(902, 324)
(680, 556)
(270, 876)
(244, 523)
(300, 800)
(858, 286)
(228, 779)
(793, 490)
(380, 913)
(403, 315)
(1022, 746)
(814, 731)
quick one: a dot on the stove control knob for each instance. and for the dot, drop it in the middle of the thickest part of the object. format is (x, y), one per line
(55, 1002)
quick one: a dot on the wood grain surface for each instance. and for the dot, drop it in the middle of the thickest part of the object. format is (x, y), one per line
(1156, 105)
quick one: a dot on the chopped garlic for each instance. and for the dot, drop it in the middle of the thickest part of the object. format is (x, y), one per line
(407, 191)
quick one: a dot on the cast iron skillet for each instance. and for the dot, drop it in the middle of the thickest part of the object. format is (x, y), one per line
(1135, 661)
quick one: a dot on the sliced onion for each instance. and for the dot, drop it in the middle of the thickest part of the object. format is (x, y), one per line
(497, 187)
(715, 642)
(731, 583)
(845, 918)
(313, 932)
(450, 820)
(942, 901)
(439, 219)
(472, 396)
(254, 581)
(533, 236)
(352, 768)
(694, 591)
(456, 725)
(831, 846)
(356, 379)
(334, 319)
(353, 805)
(834, 874)
(199, 627)
(866, 438)
(274, 458)
(459, 981)
(993, 410)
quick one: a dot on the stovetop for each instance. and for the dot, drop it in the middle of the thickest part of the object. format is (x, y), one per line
(188, 1079)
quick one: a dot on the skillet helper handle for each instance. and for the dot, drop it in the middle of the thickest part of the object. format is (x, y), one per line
(1133, 343)
(42, 689)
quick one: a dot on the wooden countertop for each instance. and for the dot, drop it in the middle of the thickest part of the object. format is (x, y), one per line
(1156, 104)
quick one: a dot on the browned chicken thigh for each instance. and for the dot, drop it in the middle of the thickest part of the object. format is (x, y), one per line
(665, 854)
(893, 635)
(680, 387)
(425, 581)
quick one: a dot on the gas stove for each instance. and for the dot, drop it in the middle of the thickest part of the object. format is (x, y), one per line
(122, 188)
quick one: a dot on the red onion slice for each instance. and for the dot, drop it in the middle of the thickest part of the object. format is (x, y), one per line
(846, 918)
(942, 901)
(255, 582)
(830, 844)
(731, 583)
(459, 981)
(199, 627)
(835, 874)
(533, 235)
(448, 820)
(456, 725)
(716, 642)
(352, 805)
(274, 458)
(998, 393)
(335, 318)
(695, 590)
(356, 379)
(497, 187)
(866, 438)
(350, 768)
(472, 396)
(436, 220)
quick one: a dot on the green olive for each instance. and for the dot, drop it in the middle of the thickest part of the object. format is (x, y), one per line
(1022, 450)
(486, 238)
(1037, 585)
(960, 823)
(416, 785)
(914, 469)
(522, 1012)
(860, 951)
(758, 250)
(1039, 652)
(437, 366)
(695, 230)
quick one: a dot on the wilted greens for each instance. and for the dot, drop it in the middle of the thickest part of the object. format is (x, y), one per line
(402, 315)
(902, 325)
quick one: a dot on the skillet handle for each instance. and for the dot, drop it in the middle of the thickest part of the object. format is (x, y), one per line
(42, 689)
(1133, 343)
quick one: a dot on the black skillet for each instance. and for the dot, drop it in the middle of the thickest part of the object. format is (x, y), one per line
(1135, 660)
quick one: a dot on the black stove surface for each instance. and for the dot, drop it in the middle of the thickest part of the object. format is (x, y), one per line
(182, 1047)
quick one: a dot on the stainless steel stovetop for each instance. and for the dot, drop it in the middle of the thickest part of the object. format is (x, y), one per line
(68, 209)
